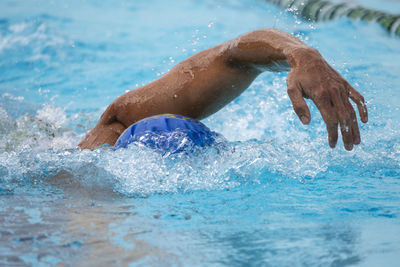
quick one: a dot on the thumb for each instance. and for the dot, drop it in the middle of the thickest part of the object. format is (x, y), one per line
(299, 105)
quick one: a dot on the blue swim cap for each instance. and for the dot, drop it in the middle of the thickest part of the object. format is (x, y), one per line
(167, 133)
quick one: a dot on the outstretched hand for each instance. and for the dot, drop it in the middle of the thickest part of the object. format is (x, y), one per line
(312, 77)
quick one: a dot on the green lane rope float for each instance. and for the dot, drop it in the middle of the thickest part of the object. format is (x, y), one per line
(319, 10)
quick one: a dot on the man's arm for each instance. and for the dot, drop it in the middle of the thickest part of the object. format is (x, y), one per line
(205, 82)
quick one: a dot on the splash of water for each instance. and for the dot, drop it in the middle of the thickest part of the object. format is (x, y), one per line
(270, 144)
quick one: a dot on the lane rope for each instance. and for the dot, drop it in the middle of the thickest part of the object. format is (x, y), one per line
(320, 10)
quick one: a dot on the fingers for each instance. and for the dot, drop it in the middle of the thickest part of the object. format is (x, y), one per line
(299, 105)
(359, 100)
(332, 99)
(345, 119)
(354, 124)
(329, 115)
(331, 121)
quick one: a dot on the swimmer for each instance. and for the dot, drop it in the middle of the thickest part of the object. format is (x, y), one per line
(207, 81)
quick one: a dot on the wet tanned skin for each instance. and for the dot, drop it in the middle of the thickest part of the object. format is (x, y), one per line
(205, 82)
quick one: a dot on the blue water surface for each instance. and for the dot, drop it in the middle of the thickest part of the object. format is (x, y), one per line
(270, 193)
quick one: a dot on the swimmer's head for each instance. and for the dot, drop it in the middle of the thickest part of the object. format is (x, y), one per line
(167, 133)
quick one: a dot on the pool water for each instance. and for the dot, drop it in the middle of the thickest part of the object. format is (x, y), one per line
(271, 192)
